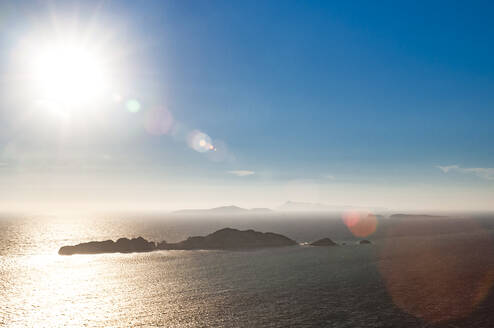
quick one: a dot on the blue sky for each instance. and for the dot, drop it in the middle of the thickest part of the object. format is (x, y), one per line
(343, 102)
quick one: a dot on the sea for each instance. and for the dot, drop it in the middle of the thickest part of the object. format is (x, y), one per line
(399, 280)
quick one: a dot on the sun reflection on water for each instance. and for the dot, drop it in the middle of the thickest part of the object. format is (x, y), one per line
(87, 290)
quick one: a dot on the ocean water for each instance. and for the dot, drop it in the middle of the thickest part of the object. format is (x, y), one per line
(408, 281)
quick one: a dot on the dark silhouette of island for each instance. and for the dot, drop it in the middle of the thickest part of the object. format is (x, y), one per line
(226, 238)
(122, 245)
(364, 241)
(324, 242)
(229, 238)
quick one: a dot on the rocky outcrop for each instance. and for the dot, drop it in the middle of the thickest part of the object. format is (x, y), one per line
(122, 245)
(324, 242)
(364, 241)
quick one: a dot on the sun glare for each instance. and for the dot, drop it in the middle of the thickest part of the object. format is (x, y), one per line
(68, 73)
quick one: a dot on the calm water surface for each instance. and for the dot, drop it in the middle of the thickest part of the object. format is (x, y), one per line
(300, 286)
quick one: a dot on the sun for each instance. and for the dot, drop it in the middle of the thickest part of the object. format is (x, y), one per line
(68, 73)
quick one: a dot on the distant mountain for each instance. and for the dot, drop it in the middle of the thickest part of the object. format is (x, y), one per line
(289, 206)
(223, 210)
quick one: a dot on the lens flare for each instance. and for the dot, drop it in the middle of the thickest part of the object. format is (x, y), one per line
(200, 141)
(360, 224)
(436, 277)
(219, 152)
(133, 105)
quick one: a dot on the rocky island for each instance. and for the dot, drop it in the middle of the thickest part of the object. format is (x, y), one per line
(324, 242)
(122, 245)
(227, 238)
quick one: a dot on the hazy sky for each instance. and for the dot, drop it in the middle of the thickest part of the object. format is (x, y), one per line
(251, 103)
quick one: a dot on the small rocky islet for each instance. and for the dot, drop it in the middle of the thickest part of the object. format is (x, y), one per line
(224, 239)
(324, 242)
